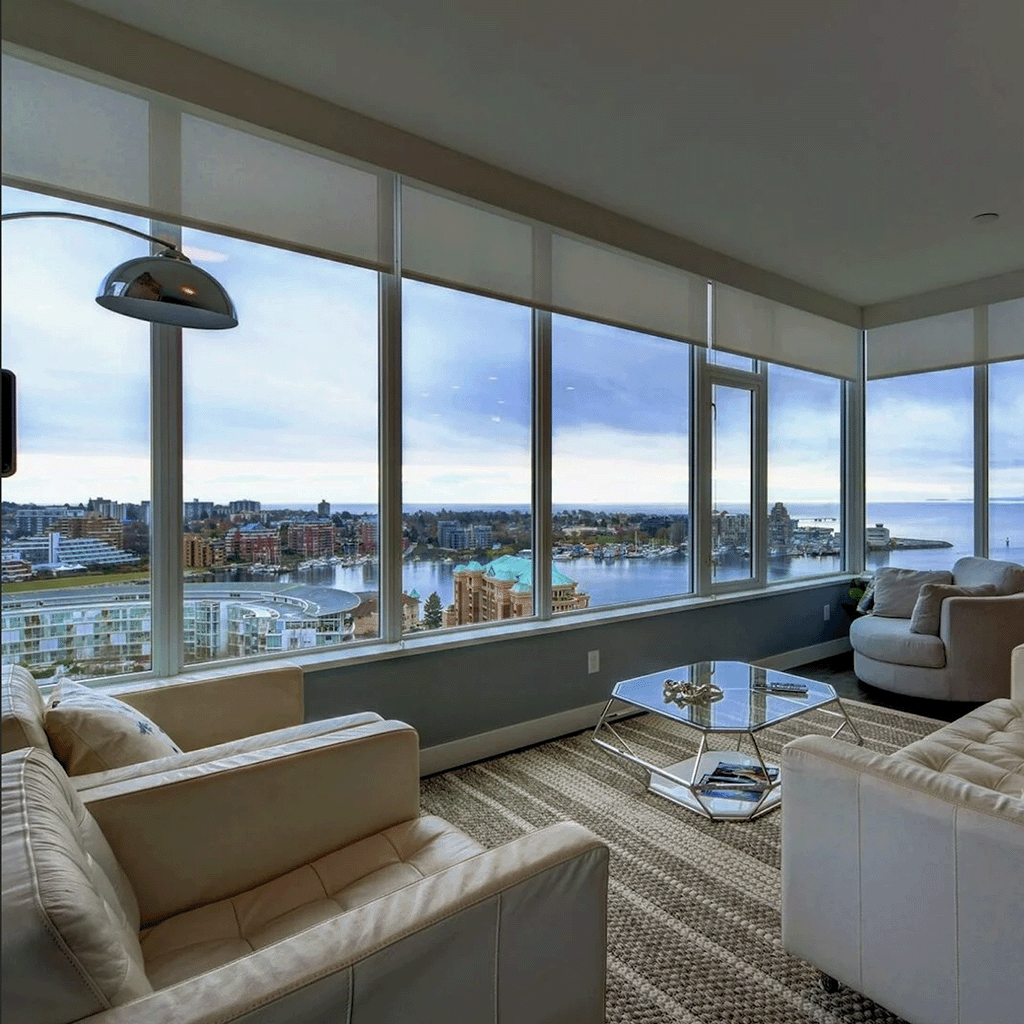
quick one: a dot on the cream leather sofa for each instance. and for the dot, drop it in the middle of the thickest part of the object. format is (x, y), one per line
(287, 884)
(209, 714)
(903, 875)
(969, 659)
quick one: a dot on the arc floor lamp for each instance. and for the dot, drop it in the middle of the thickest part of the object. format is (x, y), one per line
(165, 288)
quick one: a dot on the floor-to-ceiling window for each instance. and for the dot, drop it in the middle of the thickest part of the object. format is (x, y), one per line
(76, 537)
(620, 477)
(466, 522)
(919, 455)
(280, 511)
(1006, 460)
(805, 455)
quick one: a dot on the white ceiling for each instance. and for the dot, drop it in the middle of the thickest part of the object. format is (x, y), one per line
(845, 144)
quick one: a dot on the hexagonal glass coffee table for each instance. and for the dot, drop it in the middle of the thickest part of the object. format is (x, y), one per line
(720, 784)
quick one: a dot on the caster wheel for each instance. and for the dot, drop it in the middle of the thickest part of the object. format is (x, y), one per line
(827, 982)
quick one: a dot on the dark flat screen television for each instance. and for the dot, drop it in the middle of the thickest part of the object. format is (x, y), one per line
(10, 425)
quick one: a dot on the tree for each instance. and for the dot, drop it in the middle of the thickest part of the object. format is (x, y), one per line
(432, 611)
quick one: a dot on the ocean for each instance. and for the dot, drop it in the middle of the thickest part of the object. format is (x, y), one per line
(622, 580)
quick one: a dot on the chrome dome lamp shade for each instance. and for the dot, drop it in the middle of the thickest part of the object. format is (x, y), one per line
(164, 289)
(167, 289)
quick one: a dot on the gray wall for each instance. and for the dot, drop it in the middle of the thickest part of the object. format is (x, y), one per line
(459, 692)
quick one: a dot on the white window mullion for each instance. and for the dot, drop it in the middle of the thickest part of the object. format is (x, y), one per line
(166, 562)
(854, 510)
(542, 426)
(981, 512)
(389, 442)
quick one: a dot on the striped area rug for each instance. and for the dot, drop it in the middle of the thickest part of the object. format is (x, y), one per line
(694, 928)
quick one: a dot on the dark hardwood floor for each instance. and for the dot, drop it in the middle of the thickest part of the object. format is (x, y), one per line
(838, 671)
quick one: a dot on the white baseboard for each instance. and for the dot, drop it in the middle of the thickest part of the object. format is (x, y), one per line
(512, 737)
(443, 756)
(804, 655)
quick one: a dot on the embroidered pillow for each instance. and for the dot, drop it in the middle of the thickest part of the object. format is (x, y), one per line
(928, 610)
(896, 590)
(91, 732)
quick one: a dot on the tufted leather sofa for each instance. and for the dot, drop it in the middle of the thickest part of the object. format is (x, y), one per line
(287, 884)
(901, 873)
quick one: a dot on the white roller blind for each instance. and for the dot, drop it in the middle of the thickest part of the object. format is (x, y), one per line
(606, 284)
(1006, 330)
(70, 134)
(454, 242)
(261, 188)
(947, 341)
(761, 328)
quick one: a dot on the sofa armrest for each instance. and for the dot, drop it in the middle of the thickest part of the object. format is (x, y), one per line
(203, 709)
(1017, 673)
(200, 833)
(516, 933)
(900, 881)
(979, 633)
(160, 765)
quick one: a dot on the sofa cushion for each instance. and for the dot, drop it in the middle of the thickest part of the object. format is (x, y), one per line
(65, 898)
(928, 610)
(1008, 577)
(91, 732)
(896, 589)
(23, 709)
(199, 940)
(890, 640)
(985, 746)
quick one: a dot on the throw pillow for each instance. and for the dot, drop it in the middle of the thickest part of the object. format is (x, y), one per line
(896, 590)
(928, 610)
(866, 604)
(91, 732)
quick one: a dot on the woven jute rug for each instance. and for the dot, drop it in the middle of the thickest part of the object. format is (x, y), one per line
(694, 927)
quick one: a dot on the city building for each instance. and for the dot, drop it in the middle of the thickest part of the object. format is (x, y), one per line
(464, 536)
(311, 540)
(245, 506)
(33, 520)
(253, 543)
(503, 589)
(780, 529)
(106, 630)
(323, 510)
(368, 528)
(195, 510)
(110, 509)
(94, 525)
(54, 551)
(202, 552)
(877, 538)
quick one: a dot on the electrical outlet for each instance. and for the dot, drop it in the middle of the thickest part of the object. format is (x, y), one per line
(593, 662)
(827, 611)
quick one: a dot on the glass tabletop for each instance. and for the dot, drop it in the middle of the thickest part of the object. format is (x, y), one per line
(743, 707)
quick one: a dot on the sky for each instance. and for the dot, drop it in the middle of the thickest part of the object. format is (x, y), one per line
(283, 408)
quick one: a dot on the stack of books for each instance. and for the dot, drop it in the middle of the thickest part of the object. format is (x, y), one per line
(731, 781)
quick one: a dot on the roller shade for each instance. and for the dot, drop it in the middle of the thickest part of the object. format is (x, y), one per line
(760, 328)
(261, 188)
(947, 341)
(601, 283)
(94, 143)
(449, 241)
(66, 133)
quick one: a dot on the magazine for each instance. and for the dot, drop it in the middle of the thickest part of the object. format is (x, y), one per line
(731, 781)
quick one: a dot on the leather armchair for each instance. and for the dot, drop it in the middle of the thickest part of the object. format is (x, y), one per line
(210, 714)
(289, 883)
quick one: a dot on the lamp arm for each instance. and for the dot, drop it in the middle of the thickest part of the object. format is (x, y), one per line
(175, 251)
